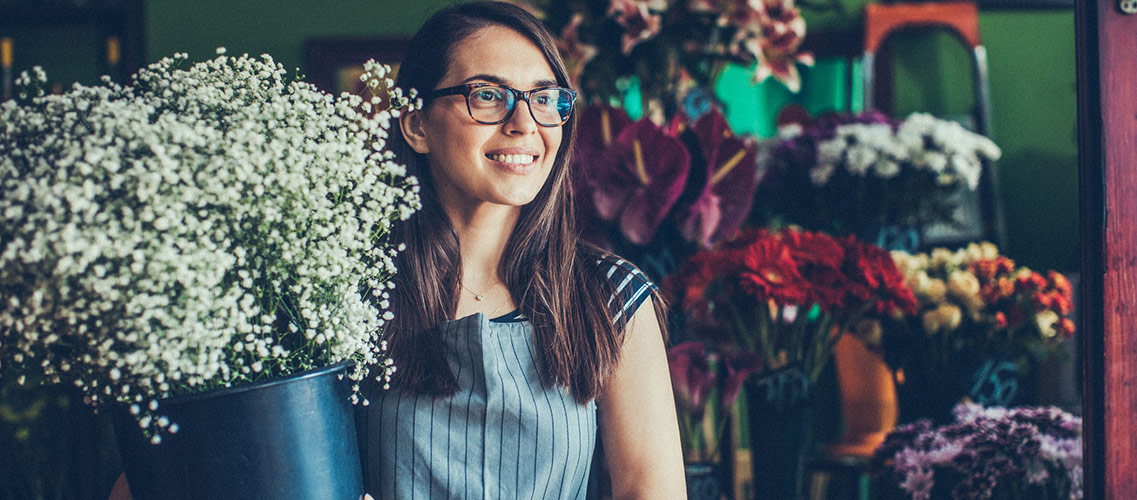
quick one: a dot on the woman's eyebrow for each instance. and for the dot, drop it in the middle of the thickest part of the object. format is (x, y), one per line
(501, 81)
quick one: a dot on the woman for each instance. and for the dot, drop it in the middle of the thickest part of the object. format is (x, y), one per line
(518, 346)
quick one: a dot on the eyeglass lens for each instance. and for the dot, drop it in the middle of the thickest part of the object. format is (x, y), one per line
(549, 107)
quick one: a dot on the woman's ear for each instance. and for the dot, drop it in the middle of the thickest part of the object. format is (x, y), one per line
(414, 130)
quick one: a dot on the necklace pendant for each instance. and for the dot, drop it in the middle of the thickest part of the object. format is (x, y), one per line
(479, 297)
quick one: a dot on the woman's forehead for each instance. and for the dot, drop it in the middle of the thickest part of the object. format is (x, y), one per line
(499, 55)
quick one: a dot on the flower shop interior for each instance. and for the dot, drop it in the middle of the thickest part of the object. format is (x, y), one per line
(874, 224)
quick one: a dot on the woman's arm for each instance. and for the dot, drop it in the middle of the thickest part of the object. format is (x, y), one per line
(637, 417)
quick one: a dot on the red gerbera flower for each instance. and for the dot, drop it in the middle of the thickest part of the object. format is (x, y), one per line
(771, 273)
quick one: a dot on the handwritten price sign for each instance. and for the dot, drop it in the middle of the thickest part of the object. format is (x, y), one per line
(996, 383)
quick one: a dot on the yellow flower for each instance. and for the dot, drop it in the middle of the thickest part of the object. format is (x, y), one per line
(869, 331)
(982, 251)
(964, 286)
(1047, 320)
(904, 262)
(935, 291)
(945, 317)
(942, 257)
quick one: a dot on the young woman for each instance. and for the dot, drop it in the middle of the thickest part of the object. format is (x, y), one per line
(519, 347)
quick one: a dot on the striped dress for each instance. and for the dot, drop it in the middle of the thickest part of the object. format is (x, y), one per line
(503, 435)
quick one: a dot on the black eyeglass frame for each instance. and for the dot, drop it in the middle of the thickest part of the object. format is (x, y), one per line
(466, 89)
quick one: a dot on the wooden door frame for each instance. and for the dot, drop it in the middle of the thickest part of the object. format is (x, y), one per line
(1107, 188)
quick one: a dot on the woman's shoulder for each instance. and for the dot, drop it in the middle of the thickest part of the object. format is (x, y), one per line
(630, 286)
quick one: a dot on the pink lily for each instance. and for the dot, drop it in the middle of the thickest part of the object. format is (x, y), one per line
(575, 53)
(639, 23)
(777, 52)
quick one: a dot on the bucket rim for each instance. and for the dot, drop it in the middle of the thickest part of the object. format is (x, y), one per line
(341, 366)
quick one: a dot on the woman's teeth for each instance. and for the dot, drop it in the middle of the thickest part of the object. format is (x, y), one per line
(513, 159)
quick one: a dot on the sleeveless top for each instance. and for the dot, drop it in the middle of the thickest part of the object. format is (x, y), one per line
(503, 434)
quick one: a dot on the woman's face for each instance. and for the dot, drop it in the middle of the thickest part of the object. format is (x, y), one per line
(474, 164)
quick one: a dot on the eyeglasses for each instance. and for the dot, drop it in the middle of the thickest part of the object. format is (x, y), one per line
(492, 104)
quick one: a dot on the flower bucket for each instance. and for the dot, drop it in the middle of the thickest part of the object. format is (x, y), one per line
(869, 408)
(707, 481)
(778, 405)
(292, 437)
(989, 381)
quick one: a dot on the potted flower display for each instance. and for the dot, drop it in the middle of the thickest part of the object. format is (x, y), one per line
(987, 453)
(668, 48)
(180, 248)
(787, 295)
(871, 175)
(658, 172)
(656, 194)
(982, 321)
(707, 384)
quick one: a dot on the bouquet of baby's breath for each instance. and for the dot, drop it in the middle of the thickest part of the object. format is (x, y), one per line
(210, 225)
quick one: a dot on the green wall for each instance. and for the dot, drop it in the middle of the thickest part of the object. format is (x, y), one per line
(1034, 111)
(1031, 56)
(277, 27)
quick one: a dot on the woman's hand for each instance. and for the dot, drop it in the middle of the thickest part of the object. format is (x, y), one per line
(637, 417)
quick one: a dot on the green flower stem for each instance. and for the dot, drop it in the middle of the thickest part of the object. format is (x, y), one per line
(821, 334)
(764, 334)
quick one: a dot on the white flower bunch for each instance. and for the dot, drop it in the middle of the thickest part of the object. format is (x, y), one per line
(921, 142)
(210, 225)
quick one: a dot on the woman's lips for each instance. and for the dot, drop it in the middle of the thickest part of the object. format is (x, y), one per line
(514, 163)
(517, 159)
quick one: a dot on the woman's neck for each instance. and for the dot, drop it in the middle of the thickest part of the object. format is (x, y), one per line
(483, 232)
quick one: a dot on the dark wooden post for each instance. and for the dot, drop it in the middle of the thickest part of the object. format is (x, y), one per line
(1107, 158)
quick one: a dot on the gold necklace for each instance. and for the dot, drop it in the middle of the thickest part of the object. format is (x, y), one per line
(479, 296)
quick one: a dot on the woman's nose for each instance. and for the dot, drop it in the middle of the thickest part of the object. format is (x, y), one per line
(522, 122)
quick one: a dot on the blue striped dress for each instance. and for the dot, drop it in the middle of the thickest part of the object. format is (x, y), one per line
(503, 435)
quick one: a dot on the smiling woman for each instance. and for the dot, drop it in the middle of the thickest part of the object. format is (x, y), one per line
(483, 155)
(513, 405)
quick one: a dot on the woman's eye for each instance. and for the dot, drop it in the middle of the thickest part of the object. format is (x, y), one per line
(543, 100)
(487, 95)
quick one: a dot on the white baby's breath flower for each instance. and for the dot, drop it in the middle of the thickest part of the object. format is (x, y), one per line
(165, 232)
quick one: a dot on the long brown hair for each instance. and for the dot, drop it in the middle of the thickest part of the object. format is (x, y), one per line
(552, 274)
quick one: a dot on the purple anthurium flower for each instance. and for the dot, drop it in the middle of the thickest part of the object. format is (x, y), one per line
(732, 178)
(599, 125)
(639, 180)
(738, 367)
(692, 376)
(711, 128)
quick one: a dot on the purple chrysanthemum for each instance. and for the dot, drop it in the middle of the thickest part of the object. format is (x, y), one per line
(985, 452)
